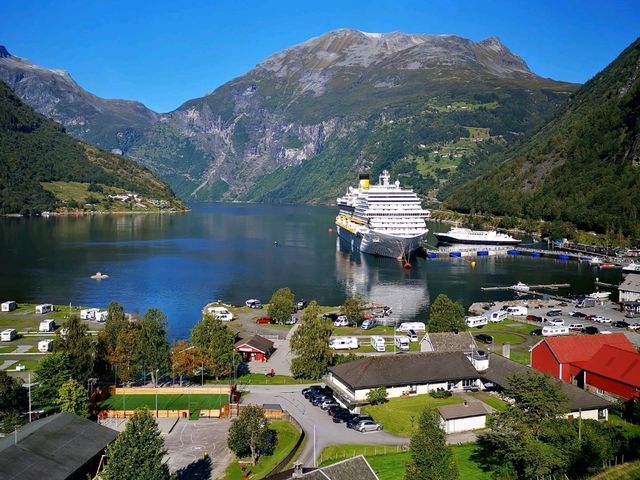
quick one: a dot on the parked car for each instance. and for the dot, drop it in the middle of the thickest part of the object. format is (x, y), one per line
(413, 336)
(367, 324)
(341, 321)
(601, 319)
(353, 423)
(302, 304)
(292, 320)
(312, 388)
(368, 426)
(484, 338)
(634, 326)
(620, 324)
(578, 314)
(253, 303)
(590, 330)
(558, 322)
(554, 313)
(576, 327)
(534, 318)
(320, 399)
(343, 417)
(333, 316)
(536, 333)
(264, 320)
(329, 403)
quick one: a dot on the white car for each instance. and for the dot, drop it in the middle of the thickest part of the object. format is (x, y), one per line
(576, 326)
(634, 326)
(341, 321)
(556, 322)
(253, 303)
(600, 319)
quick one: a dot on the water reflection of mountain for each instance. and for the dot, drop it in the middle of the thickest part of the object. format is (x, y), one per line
(382, 280)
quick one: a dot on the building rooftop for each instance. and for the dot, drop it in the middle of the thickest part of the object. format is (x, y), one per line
(631, 283)
(614, 363)
(500, 368)
(448, 342)
(575, 348)
(463, 410)
(258, 343)
(405, 369)
(54, 447)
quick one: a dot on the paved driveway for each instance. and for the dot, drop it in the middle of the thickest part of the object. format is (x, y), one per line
(315, 419)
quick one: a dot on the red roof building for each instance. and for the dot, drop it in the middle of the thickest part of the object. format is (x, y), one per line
(584, 360)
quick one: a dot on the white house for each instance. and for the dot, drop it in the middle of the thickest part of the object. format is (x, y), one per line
(629, 290)
(9, 306)
(463, 417)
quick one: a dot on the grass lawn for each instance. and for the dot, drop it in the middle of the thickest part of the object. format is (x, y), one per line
(287, 436)
(7, 349)
(391, 466)
(627, 471)
(398, 414)
(30, 364)
(491, 400)
(630, 428)
(177, 401)
(262, 379)
(520, 356)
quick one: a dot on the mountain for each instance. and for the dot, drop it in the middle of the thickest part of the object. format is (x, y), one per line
(109, 124)
(582, 167)
(42, 168)
(301, 124)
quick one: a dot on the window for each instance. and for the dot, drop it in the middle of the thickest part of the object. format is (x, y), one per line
(468, 383)
(602, 414)
(413, 388)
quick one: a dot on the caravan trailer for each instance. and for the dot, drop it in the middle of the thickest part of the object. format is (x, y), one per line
(47, 326)
(45, 346)
(101, 316)
(498, 316)
(343, 343)
(9, 306)
(88, 313)
(44, 308)
(8, 335)
(554, 330)
(518, 311)
(377, 343)
(476, 321)
(221, 313)
(415, 326)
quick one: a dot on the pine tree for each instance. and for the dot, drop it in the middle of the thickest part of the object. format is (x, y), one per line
(137, 453)
(431, 458)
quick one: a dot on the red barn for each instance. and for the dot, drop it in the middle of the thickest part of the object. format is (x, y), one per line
(612, 371)
(256, 348)
(567, 358)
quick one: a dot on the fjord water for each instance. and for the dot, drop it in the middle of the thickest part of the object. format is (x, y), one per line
(180, 262)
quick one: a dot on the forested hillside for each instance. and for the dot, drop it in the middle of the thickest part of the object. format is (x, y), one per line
(34, 150)
(582, 167)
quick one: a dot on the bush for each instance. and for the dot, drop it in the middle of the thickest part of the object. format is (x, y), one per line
(440, 394)
(377, 395)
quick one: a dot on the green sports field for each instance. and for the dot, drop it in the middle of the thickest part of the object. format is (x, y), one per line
(177, 401)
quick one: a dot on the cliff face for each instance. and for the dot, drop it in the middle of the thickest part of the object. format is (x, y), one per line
(302, 123)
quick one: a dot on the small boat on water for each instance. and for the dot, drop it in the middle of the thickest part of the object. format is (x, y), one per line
(99, 276)
(633, 267)
(521, 287)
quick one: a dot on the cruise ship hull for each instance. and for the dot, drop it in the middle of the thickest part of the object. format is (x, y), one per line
(375, 243)
(444, 238)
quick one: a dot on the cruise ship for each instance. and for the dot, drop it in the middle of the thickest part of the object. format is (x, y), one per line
(382, 219)
(478, 237)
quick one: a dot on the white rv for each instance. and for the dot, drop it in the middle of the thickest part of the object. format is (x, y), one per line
(44, 308)
(101, 316)
(221, 313)
(88, 313)
(554, 330)
(343, 343)
(518, 311)
(377, 343)
(9, 306)
(402, 343)
(47, 326)
(45, 346)
(415, 326)
(498, 316)
(478, 321)
(8, 335)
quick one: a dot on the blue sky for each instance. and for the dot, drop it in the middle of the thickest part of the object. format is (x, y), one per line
(163, 53)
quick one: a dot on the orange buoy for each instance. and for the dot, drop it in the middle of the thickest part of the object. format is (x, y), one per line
(406, 264)
(330, 230)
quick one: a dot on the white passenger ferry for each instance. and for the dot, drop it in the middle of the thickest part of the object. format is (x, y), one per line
(477, 237)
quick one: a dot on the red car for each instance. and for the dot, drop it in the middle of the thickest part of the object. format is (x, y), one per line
(264, 320)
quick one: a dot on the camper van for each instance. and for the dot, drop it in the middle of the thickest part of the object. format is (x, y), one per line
(377, 343)
(476, 321)
(88, 313)
(343, 343)
(44, 308)
(8, 335)
(554, 330)
(415, 326)
(498, 316)
(518, 311)
(47, 326)
(586, 302)
(9, 306)
(401, 343)
(45, 346)
(221, 313)
(101, 316)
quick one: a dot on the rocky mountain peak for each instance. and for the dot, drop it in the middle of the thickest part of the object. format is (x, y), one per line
(4, 53)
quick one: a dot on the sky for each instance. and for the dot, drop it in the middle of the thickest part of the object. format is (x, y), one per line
(165, 52)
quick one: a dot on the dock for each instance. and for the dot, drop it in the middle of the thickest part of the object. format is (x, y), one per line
(550, 286)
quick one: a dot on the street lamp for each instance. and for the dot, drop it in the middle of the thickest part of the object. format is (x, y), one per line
(157, 392)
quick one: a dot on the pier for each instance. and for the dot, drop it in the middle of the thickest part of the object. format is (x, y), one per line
(551, 286)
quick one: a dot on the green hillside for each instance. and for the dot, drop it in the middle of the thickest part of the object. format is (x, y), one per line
(36, 151)
(582, 167)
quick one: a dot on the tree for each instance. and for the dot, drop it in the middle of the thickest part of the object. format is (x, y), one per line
(431, 457)
(50, 375)
(185, 359)
(13, 401)
(445, 315)
(310, 345)
(524, 437)
(72, 398)
(353, 308)
(124, 355)
(137, 452)
(282, 305)
(152, 346)
(214, 342)
(250, 433)
(377, 395)
(115, 323)
(78, 345)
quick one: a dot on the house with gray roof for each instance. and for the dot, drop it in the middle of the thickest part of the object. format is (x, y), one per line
(60, 447)
(355, 468)
(629, 290)
(448, 342)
